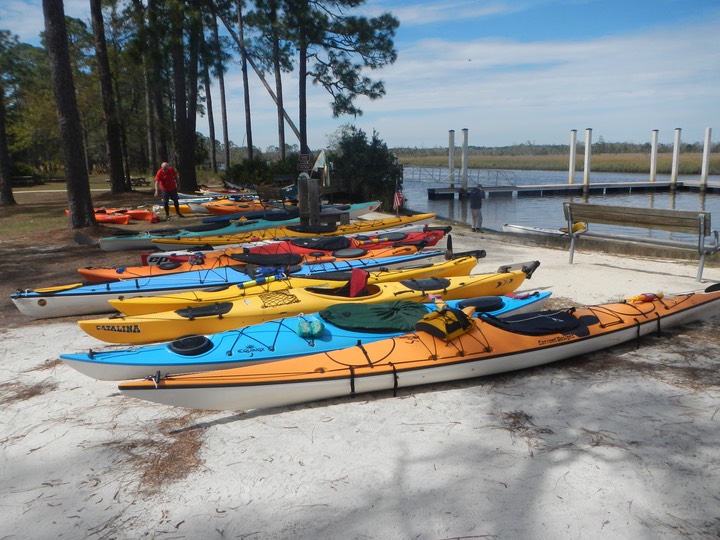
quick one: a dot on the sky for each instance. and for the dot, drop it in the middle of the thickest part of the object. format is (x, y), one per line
(508, 71)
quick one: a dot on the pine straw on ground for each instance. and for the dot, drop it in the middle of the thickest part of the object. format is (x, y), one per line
(169, 451)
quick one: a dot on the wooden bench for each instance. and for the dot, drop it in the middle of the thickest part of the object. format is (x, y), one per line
(684, 221)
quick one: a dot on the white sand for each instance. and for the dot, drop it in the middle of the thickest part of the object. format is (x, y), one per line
(623, 444)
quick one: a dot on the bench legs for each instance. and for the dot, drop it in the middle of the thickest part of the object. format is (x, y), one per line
(701, 267)
(572, 247)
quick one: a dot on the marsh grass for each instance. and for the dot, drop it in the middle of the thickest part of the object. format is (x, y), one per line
(616, 163)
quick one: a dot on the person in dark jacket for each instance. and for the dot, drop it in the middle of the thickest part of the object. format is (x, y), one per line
(477, 194)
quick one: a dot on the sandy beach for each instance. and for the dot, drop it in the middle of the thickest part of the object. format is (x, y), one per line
(619, 444)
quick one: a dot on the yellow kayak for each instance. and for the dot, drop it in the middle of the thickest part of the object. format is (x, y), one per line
(292, 231)
(258, 308)
(141, 305)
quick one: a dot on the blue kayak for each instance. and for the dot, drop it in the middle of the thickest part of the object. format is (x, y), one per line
(85, 299)
(278, 339)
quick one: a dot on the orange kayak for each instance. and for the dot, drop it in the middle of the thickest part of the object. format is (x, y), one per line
(488, 346)
(222, 208)
(104, 217)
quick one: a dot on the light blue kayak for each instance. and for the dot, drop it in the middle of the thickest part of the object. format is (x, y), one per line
(278, 339)
(90, 298)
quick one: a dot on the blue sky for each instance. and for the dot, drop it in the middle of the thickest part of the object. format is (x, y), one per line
(510, 71)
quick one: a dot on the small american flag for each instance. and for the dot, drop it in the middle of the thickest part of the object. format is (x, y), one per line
(397, 201)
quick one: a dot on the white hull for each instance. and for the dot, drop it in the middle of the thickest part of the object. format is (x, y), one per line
(45, 307)
(123, 372)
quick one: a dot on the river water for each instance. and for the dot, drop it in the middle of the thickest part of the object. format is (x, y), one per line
(547, 211)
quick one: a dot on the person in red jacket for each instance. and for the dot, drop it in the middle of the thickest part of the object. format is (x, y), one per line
(166, 181)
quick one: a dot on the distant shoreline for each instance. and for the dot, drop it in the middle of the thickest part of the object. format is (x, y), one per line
(689, 163)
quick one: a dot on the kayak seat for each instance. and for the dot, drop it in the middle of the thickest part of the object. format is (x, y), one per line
(356, 286)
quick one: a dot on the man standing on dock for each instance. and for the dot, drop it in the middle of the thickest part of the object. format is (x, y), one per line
(477, 194)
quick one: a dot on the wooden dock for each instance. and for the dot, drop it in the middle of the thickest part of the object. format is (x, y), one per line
(538, 190)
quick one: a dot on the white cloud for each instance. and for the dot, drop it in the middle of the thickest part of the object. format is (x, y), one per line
(627, 85)
(504, 90)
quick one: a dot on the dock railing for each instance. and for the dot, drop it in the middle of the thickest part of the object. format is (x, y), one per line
(442, 175)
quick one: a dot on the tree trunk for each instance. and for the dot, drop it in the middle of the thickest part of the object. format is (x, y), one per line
(112, 129)
(279, 93)
(150, 119)
(6, 194)
(140, 15)
(211, 120)
(190, 183)
(246, 84)
(184, 80)
(302, 98)
(177, 54)
(76, 176)
(156, 87)
(223, 101)
(223, 112)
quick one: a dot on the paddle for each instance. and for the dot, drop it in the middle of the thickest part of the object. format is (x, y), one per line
(259, 281)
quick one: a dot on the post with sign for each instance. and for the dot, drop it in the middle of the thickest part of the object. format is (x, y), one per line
(304, 164)
(302, 184)
(308, 200)
(308, 193)
(313, 198)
